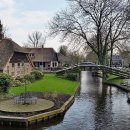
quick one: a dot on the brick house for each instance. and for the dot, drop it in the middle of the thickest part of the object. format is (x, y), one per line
(44, 58)
(14, 60)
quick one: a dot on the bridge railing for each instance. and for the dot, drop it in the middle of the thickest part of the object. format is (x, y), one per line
(100, 67)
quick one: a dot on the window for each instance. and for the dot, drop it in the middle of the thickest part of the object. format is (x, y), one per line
(40, 63)
(32, 54)
(18, 64)
(43, 64)
(53, 65)
(13, 64)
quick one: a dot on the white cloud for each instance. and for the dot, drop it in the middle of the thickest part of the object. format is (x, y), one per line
(35, 17)
(23, 22)
(7, 3)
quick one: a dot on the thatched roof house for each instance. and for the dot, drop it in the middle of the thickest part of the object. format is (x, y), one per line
(12, 57)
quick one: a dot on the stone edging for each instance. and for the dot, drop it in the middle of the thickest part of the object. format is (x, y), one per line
(118, 86)
(26, 121)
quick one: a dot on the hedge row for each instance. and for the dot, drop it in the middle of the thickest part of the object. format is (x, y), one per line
(69, 76)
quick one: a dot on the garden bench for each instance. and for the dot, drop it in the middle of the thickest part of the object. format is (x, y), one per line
(25, 98)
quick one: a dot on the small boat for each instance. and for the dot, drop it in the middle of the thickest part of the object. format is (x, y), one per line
(128, 96)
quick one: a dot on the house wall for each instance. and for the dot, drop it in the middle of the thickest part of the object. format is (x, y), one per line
(17, 69)
(54, 64)
(18, 65)
(46, 65)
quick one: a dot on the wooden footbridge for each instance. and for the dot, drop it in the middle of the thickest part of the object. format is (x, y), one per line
(91, 66)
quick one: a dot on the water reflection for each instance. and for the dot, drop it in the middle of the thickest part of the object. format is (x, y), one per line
(96, 107)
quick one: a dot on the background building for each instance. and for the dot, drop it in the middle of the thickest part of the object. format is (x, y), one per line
(44, 58)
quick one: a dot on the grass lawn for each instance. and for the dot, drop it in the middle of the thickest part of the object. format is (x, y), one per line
(49, 83)
(114, 79)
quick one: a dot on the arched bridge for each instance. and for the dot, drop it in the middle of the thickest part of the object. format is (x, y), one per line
(91, 66)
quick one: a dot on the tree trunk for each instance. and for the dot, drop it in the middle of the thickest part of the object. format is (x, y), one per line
(111, 54)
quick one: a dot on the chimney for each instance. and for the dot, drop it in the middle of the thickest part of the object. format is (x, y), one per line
(42, 46)
(1, 31)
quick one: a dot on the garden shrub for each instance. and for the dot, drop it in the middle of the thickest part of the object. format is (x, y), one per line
(16, 83)
(60, 73)
(30, 77)
(37, 74)
(21, 79)
(27, 79)
(71, 76)
(5, 82)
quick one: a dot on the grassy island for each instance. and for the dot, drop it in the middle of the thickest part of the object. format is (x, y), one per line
(50, 83)
(114, 79)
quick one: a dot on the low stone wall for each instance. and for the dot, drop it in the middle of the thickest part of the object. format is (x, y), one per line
(26, 121)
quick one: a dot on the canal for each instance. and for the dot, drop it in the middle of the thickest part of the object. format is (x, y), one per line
(96, 107)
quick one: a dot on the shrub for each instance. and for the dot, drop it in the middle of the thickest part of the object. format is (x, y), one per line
(37, 74)
(60, 73)
(30, 77)
(5, 82)
(71, 76)
(21, 79)
(16, 83)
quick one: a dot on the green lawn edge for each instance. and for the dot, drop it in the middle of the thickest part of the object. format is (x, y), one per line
(113, 79)
(50, 84)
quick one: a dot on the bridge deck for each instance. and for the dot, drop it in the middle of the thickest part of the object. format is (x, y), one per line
(106, 69)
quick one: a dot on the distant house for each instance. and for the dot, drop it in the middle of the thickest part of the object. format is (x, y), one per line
(117, 61)
(14, 60)
(43, 58)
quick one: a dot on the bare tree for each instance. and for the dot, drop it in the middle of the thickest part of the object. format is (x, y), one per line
(123, 46)
(36, 39)
(119, 21)
(75, 57)
(93, 23)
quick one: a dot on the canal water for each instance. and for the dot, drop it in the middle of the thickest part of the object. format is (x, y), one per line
(96, 107)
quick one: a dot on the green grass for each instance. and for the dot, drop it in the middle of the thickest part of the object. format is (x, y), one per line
(49, 83)
(114, 79)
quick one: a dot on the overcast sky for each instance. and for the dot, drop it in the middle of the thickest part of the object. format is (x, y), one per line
(22, 17)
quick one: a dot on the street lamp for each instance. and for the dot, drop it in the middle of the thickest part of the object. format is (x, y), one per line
(25, 87)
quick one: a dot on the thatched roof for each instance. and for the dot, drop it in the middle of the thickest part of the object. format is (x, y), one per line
(43, 54)
(7, 49)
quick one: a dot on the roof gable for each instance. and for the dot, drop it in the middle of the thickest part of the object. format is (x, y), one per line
(7, 49)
